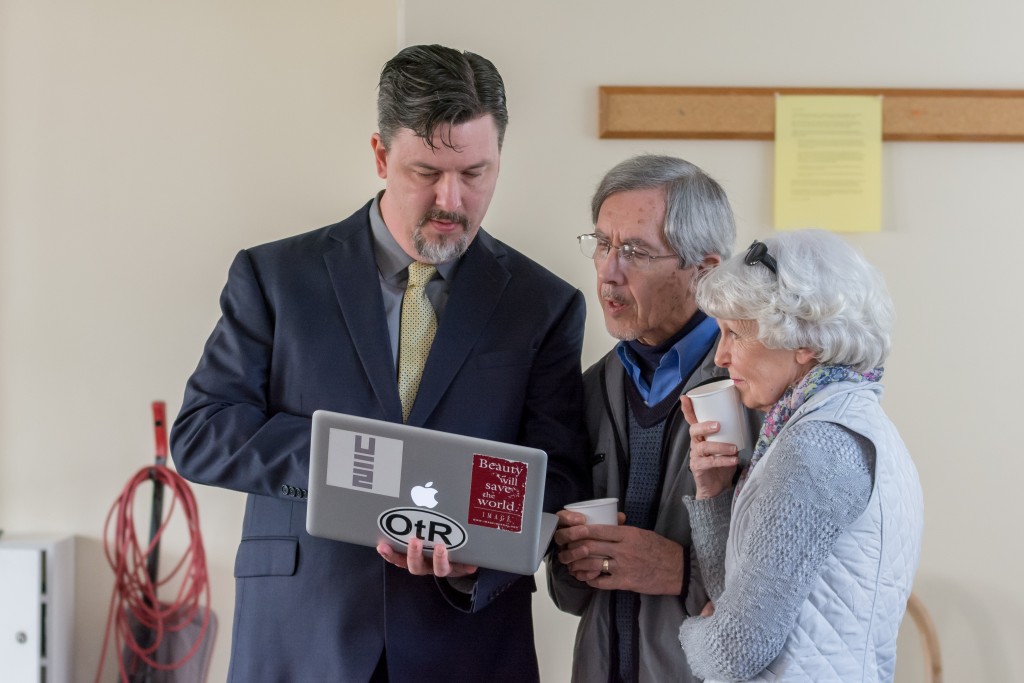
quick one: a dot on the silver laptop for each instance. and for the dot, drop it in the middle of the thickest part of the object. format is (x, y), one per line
(373, 481)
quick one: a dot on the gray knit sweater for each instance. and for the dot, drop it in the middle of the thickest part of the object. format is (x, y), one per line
(820, 479)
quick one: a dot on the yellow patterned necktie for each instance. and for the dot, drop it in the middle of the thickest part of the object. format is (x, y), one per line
(415, 334)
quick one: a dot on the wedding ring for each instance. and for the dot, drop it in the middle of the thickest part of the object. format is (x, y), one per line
(604, 566)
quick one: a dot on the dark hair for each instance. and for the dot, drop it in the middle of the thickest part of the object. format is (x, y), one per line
(426, 87)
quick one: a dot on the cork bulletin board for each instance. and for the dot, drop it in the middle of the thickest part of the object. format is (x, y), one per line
(749, 113)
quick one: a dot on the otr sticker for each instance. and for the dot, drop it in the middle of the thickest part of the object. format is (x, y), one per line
(402, 524)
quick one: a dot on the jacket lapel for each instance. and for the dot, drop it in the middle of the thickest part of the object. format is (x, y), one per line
(479, 283)
(352, 267)
(613, 381)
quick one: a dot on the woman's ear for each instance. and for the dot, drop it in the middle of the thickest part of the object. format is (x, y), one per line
(804, 356)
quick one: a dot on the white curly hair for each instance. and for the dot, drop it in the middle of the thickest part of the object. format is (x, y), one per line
(826, 297)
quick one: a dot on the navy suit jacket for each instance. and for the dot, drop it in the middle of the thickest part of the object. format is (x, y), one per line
(303, 328)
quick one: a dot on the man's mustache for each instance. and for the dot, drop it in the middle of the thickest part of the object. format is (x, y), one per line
(609, 294)
(445, 217)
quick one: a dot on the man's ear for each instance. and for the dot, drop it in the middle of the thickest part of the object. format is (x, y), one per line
(710, 261)
(380, 155)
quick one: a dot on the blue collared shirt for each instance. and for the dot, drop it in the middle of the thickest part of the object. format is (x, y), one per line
(677, 363)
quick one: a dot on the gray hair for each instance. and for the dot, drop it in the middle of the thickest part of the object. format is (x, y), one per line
(698, 218)
(826, 298)
(427, 87)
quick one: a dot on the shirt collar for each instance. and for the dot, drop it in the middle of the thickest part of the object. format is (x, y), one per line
(677, 360)
(392, 261)
(648, 358)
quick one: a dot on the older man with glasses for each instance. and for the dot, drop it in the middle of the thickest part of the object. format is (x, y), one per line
(658, 222)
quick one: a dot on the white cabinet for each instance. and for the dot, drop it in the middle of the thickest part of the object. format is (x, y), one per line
(37, 598)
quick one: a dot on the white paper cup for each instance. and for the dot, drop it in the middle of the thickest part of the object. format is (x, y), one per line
(597, 511)
(720, 402)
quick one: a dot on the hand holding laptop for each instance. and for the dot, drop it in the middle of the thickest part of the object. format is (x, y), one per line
(417, 563)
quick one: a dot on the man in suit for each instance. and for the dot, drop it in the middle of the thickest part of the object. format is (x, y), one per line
(658, 222)
(318, 321)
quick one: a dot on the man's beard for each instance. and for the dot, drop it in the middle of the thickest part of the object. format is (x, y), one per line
(624, 333)
(446, 247)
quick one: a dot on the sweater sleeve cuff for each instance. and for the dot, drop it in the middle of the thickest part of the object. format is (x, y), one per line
(705, 512)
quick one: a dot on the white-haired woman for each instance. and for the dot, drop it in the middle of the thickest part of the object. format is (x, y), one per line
(809, 559)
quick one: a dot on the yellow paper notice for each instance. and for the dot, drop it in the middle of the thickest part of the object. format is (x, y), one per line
(828, 162)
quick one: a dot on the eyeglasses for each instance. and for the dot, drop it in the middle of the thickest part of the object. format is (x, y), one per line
(758, 253)
(598, 248)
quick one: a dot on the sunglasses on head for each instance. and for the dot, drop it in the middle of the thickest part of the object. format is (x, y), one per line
(758, 253)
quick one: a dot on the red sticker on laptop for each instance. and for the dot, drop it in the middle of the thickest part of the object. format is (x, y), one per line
(497, 493)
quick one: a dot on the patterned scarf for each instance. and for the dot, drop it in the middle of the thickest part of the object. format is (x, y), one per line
(795, 396)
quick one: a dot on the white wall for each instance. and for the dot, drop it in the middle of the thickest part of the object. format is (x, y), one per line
(141, 145)
(951, 238)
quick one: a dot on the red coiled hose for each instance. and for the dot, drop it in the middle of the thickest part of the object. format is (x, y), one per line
(134, 603)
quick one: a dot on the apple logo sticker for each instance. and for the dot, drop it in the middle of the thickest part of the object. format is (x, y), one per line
(424, 495)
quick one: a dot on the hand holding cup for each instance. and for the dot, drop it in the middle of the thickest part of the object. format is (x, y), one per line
(718, 431)
(720, 402)
(598, 510)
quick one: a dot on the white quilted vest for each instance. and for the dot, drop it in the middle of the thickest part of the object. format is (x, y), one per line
(846, 629)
